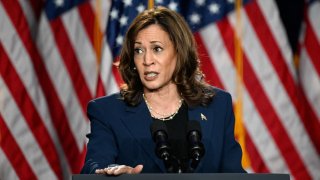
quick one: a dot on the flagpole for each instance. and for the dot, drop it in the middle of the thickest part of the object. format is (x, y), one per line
(150, 4)
(97, 45)
(97, 36)
(239, 128)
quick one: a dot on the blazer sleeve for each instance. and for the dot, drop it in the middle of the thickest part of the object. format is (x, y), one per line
(231, 160)
(102, 147)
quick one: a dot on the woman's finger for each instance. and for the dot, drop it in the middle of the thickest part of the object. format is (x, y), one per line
(120, 169)
(111, 170)
(101, 171)
(137, 169)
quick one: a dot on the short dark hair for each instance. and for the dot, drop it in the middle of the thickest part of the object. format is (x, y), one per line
(187, 74)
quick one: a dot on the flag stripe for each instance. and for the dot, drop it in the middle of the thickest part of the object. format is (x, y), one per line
(59, 117)
(57, 113)
(270, 17)
(116, 75)
(212, 43)
(281, 102)
(23, 134)
(32, 119)
(312, 46)
(30, 16)
(313, 17)
(22, 64)
(263, 139)
(55, 66)
(71, 63)
(278, 62)
(252, 120)
(304, 108)
(213, 75)
(62, 97)
(87, 16)
(106, 71)
(256, 162)
(265, 108)
(14, 153)
(6, 170)
(83, 49)
(29, 111)
(105, 84)
(269, 44)
(206, 65)
(309, 71)
(311, 87)
(306, 111)
(100, 91)
(112, 85)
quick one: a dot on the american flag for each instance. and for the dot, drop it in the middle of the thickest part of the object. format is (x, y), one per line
(309, 68)
(52, 63)
(48, 73)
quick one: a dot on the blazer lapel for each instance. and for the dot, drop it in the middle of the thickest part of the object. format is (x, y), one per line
(138, 121)
(203, 116)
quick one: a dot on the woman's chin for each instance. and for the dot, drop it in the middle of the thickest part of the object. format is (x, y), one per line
(152, 88)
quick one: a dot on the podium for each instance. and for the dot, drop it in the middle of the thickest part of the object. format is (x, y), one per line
(194, 176)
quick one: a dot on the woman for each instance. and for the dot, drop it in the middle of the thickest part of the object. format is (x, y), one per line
(160, 66)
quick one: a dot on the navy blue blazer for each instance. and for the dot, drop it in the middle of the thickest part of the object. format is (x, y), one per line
(120, 134)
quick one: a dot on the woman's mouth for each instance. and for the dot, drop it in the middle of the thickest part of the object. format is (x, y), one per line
(149, 76)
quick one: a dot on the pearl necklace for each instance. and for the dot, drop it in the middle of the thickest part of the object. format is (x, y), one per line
(164, 116)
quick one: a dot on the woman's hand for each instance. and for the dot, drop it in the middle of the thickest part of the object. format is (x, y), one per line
(120, 169)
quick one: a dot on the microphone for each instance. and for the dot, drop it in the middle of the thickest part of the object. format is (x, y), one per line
(160, 136)
(196, 148)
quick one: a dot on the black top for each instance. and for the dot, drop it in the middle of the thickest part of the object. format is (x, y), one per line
(177, 128)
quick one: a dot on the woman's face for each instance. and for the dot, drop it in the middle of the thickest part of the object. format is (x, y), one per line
(154, 57)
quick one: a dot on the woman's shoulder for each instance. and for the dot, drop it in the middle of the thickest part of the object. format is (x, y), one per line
(220, 95)
(219, 92)
(112, 100)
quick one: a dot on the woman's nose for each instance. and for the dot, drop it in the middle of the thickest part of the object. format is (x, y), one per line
(148, 59)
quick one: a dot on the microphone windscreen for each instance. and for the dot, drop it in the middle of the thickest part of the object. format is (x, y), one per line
(194, 126)
(157, 126)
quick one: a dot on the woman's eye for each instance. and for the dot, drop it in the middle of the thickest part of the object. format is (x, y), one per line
(138, 50)
(157, 49)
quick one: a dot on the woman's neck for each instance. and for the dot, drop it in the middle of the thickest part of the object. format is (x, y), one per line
(164, 94)
(164, 100)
